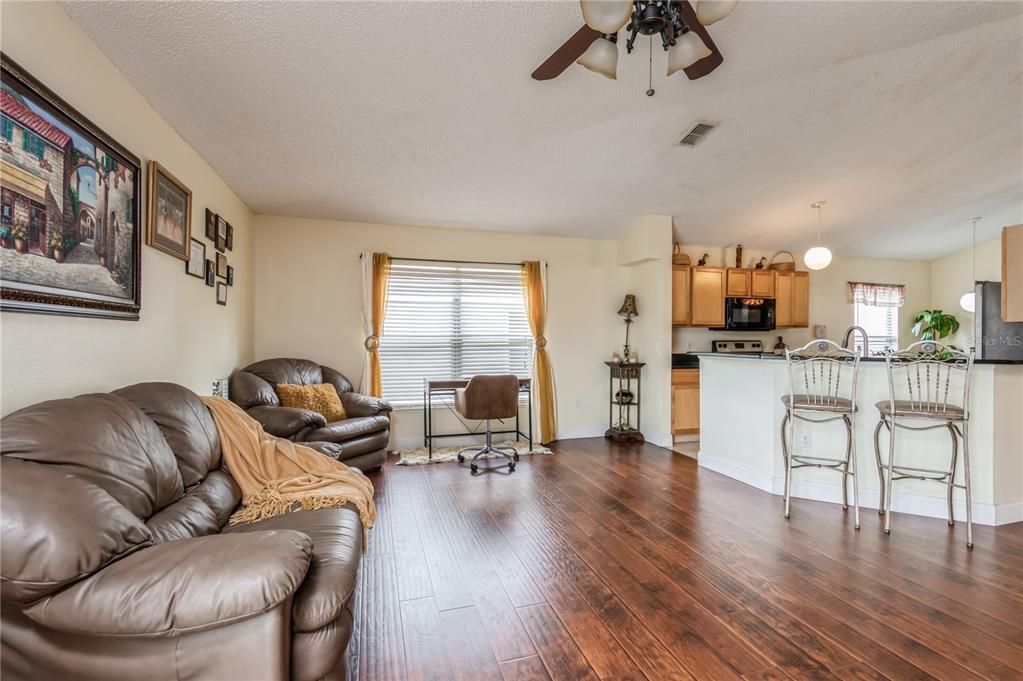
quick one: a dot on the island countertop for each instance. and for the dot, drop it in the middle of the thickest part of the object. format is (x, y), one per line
(772, 356)
(741, 412)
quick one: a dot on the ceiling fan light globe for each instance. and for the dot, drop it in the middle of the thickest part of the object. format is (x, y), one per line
(606, 16)
(712, 11)
(817, 258)
(601, 57)
(688, 49)
(969, 302)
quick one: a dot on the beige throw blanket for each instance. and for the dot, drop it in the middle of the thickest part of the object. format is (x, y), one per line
(277, 475)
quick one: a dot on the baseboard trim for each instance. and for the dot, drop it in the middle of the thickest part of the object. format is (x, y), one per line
(815, 490)
(581, 432)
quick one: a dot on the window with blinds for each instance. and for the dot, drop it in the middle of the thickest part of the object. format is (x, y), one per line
(881, 324)
(447, 320)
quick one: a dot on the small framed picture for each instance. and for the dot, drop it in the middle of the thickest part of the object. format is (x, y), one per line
(211, 225)
(221, 293)
(222, 266)
(170, 213)
(230, 275)
(230, 237)
(211, 274)
(196, 265)
(220, 243)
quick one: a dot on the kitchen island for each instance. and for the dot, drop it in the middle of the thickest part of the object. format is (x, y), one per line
(740, 423)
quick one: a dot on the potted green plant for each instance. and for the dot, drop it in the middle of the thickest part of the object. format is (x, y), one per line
(20, 234)
(5, 236)
(934, 325)
(56, 243)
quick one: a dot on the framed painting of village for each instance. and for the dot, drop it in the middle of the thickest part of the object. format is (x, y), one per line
(70, 227)
(170, 213)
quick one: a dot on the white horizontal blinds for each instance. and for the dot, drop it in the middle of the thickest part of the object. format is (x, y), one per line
(447, 320)
(881, 325)
(876, 309)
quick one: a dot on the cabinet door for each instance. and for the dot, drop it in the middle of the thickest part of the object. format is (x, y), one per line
(738, 283)
(685, 401)
(708, 284)
(783, 300)
(1012, 274)
(801, 299)
(762, 283)
(680, 296)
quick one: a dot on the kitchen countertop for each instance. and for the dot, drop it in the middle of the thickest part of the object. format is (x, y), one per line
(691, 360)
(771, 356)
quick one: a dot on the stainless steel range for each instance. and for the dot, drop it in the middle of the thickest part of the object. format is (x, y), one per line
(738, 347)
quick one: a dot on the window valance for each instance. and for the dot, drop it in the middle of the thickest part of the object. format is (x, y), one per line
(878, 295)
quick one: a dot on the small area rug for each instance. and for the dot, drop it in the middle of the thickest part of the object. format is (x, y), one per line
(412, 457)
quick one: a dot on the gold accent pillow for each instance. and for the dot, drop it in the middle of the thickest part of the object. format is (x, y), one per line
(320, 397)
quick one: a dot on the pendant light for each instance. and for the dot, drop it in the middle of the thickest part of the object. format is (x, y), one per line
(689, 48)
(818, 257)
(969, 299)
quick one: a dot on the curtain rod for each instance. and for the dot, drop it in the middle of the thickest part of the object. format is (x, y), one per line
(456, 262)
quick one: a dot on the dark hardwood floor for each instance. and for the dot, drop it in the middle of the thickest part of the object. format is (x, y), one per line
(626, 563)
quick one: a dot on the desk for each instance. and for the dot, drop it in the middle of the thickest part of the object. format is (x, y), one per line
(447, 386)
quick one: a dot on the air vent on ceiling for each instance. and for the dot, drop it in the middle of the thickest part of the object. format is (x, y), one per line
(697, 133)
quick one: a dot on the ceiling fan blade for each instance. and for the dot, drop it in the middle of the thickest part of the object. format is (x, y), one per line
(566, 55)
(709, 63)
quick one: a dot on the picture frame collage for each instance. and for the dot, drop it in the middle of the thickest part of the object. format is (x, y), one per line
(221, 233)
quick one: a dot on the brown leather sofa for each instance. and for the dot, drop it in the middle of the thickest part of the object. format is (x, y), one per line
(118, 562)
(362, 437)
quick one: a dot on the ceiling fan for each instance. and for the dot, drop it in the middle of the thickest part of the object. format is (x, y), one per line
(682, 30)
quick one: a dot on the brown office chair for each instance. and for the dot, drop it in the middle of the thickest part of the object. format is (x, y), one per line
(483, 399)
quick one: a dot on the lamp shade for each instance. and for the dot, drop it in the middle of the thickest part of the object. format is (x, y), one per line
(817, 258)
(688, 49)
(601, 57)
(969, 302)
(628, 308)
(606, 16)
(711, 11)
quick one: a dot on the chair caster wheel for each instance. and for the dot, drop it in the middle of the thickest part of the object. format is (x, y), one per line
(880, 511)
(857, 527)
(474, 468)
(516, 457)
(461, 459)
(511, 466)
(969, 546)
(888, 532)
(786, 516)
(951, 523)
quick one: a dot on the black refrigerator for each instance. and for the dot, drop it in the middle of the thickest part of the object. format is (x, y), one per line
(995, 339)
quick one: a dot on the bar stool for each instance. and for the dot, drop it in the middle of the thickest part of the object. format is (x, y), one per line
(822, 388)
(925, 383)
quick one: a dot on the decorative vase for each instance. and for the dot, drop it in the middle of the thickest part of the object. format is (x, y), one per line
(20, 246)
(738, 255)
(58, 255)
(624, 397)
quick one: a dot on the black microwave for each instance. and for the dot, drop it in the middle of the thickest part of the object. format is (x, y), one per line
(749, 314)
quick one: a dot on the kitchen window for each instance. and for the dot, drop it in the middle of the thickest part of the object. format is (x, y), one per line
(451, 320)
(876, 309)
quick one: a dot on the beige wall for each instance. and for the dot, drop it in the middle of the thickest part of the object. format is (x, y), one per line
(952, 276)
(309, 289)
(183, 335)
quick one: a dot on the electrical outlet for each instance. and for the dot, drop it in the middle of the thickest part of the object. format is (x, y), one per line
(804, 439)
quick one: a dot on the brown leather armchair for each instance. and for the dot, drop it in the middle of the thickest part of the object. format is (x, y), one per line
(118, 562)
(361, 439)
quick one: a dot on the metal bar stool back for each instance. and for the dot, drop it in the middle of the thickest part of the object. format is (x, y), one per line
(822, 388)
(928, 388)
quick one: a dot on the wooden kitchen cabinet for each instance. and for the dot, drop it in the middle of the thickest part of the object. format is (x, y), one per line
(680, 295)
(708, 296)
(762, 284)
(737, 283)
(792, 299)
(801, 299)
(685, 401)
(1012, 274)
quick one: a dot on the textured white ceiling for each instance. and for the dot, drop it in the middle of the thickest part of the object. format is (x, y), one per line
(907, 117)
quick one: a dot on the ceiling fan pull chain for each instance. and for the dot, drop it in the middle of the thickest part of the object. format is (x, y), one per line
(650, 80)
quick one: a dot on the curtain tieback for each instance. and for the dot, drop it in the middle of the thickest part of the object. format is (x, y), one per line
(372, 343)
(541, 342)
